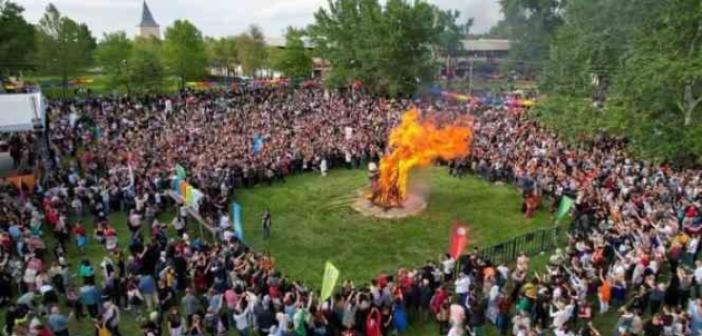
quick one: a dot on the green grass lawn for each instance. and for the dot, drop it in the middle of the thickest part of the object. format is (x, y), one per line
(313, 222)
(100, 85)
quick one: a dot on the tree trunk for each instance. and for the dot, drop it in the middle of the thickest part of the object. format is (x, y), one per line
(688, 104)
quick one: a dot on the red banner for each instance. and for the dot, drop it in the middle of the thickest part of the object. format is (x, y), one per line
(459, 239)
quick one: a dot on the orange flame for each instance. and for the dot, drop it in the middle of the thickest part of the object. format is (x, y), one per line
(416, 142)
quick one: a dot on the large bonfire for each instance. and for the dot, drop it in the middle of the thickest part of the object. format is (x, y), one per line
(417, 142)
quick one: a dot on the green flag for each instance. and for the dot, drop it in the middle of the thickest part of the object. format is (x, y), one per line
(331, 274)
(180, 171)
(564, 207)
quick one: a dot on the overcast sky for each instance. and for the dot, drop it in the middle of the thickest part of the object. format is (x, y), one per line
(223, 17)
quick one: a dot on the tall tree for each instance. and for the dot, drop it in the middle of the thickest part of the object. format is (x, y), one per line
(64, 47)
(638, 62)
(184, 51)
(112, 55)
(294, 60)
(251, 47)
(222, 53)
(387, 47)
(532, 24)
(16, 38)
(660, 85)
(145, 71)
(449, 42)
(587, 51)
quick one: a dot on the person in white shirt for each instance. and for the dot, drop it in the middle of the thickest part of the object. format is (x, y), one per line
(462, 287)
(241, 319)
(448, 264)
(691, 249)
(323, 167)
(224, 224)
(698, 277)
(562, 315)
(520, 324)
(179, 225)
(456, 330)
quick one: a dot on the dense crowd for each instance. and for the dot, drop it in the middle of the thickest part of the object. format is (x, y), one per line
(633, 246)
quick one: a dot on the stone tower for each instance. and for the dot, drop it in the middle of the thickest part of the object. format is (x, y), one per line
(148, 26)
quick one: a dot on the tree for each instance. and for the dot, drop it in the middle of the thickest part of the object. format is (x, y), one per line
(660, 85)
(388, 48)
(251, 46)
(449, 42)
(16, 38)
(145, 72)
(112, 55)
(294, 60)
(631, 68)
(222, 53)
(586, 52)
(184, 51)
(532, 24)
(64, 46)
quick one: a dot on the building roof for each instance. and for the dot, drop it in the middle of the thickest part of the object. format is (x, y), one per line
(147, 20)
(486, 45)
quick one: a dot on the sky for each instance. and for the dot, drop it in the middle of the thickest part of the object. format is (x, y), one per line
(224, 17)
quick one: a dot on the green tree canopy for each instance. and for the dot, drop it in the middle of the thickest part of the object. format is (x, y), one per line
(451, 33)
(222, 53)
(16, 38)
(294, 60)
(630, 67)
(530, 25)
(112, 55)
(388, 48)
(184, 51)
(145, 71)
(64, 47)
(660, 84)
(251, 47)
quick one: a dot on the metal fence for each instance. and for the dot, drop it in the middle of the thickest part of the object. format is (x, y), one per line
(531, 243)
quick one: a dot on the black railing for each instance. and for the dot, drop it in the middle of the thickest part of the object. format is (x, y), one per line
(531, 243)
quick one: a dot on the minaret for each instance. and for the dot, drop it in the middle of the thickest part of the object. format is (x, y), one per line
(148, 26)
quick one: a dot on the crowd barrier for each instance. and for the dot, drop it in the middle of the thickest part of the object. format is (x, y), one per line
(532, 243)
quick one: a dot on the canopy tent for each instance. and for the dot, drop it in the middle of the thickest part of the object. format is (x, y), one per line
(20, 112)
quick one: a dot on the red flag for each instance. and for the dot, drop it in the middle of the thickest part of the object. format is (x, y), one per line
(458, 240)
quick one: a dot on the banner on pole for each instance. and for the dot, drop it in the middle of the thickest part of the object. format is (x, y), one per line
(458, 240)
(236, 219)
(331, 274)
(180, 171)
(564, 207)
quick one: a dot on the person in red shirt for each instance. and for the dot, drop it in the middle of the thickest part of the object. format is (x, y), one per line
(438, 299)
(373, 323)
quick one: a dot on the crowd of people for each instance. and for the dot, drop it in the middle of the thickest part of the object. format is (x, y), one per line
(633, 246)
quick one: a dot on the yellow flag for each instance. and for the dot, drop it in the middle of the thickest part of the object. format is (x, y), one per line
(331, 274)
